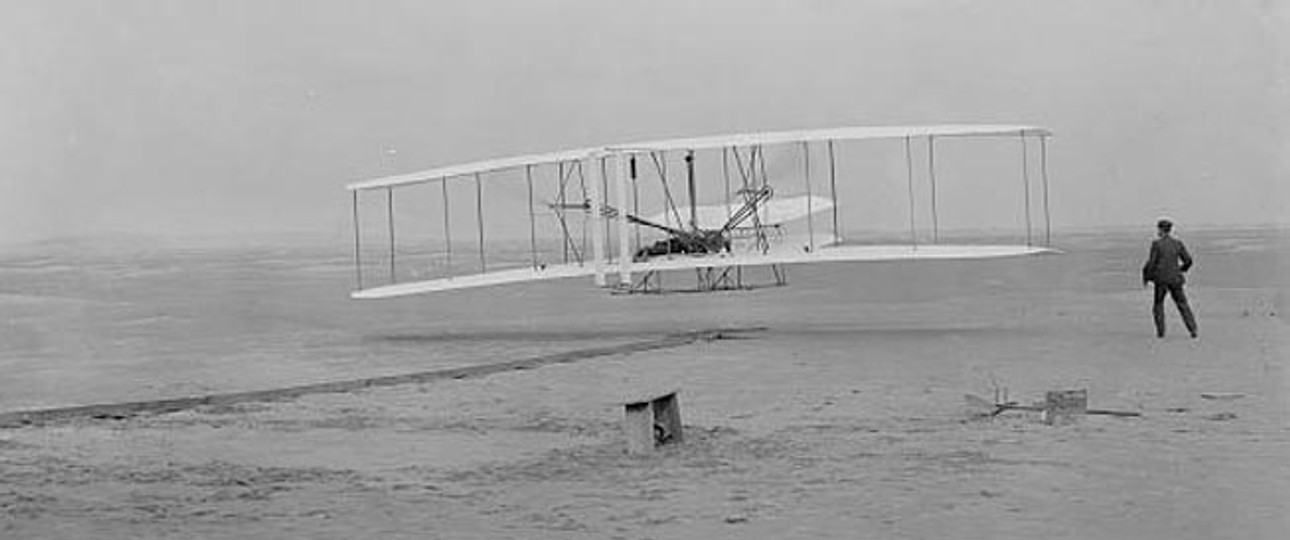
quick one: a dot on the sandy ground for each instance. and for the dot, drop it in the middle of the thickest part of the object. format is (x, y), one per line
(856, 428)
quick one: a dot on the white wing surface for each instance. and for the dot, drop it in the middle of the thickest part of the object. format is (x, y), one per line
(701, 143)
(471, 281)
(776, 211)
(836, 253)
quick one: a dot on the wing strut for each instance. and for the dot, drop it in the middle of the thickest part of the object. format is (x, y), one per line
(358, 250)
(689, 179)
(909, 174)
(559, 174)
(528, 178)
(765, 182)
(833, 187)
(810, 220)
(447, 228)
(479, 219)
(1043, 168)
(620, 183)
(604, 202)
(582, 184)
(389, 199)
(931, 175)
(1025, 182)
(636, 196)
(597, 232)
(725, 175)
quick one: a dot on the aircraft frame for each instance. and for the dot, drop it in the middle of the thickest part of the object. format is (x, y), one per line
(701, 247)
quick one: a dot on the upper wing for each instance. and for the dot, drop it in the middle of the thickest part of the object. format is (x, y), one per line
(766, 138)
(701, 143)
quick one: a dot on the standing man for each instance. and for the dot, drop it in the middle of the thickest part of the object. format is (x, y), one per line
(1164, 269)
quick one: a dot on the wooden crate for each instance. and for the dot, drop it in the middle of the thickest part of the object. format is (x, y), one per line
(1065, 406)
(651, 422)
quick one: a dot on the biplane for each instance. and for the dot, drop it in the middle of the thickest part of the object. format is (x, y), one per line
(583, 213)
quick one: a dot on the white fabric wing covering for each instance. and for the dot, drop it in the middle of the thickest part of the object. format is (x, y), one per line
(772, 212)
(785, 255)
(702, 143)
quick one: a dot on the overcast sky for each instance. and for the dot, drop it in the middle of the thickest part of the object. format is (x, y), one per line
(246, 117)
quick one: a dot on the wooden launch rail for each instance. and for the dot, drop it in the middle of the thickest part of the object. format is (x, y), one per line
(1058, 407)
(116, 411)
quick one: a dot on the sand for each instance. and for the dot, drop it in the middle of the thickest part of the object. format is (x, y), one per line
(847, 421)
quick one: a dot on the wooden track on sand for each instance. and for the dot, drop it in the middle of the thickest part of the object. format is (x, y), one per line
(118, 411)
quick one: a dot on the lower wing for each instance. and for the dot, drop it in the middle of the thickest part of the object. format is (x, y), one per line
(832, 253)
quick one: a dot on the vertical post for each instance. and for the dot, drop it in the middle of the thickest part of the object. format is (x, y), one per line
(765, 181)
(761, 164)
(636, 198)
(597, 231)
(909, 174)
(1025, 182)
(604, 202)
(833, 187)
(479, 219)
(586, 197)
(660, 164)
(389, 198)
(810, 220)
(620, 188)
(358, 249)
(564, 242)
(725, 175)
(1043, 168)
(689, 180)
(528, 178)
(931, 175)
(447, 227)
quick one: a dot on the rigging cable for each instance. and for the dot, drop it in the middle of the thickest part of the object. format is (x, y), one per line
(661, 167)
